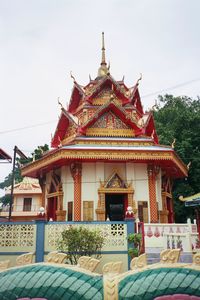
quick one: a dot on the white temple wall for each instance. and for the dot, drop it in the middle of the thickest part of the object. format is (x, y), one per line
(69, 186)
(110, 168)
(88, 187)
(19, 201)
(130, 173)
(140, 183)
(35, 202)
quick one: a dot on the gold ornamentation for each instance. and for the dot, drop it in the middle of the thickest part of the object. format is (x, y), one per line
(196, 259)
(56, 257)
(113, 143)
(4, 265)
(99, 154)
(110, 287)
(112, 268)
(76, 169)
(24, 259)
(138, 262)
(88, 263)
(170, 256)
(110, 132)
(55, 194)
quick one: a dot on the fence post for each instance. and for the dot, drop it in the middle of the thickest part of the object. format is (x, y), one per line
(40, 235)
(130, 229)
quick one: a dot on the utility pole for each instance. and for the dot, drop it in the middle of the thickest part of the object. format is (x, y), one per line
(22, 155)
(12, 186)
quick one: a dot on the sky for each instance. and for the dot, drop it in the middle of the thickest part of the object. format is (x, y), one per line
(41, 41)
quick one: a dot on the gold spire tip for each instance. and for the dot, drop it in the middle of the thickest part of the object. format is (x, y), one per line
(103, 59)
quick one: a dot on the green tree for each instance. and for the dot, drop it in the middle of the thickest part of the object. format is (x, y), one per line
(80, 241)
(36, 154)
(179, 118)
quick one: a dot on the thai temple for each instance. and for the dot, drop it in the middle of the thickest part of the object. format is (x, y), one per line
(106, 157)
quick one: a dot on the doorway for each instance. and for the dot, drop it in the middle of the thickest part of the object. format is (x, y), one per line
(51, 209)
(116, 205)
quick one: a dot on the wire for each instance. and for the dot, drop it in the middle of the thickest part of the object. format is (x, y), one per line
(145, 96)
(27, 127)
(171, 88)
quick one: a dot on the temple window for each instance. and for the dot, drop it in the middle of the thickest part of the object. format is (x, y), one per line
(27, 204)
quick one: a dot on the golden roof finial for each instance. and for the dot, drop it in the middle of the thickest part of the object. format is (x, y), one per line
(103, 70)
(103, 59)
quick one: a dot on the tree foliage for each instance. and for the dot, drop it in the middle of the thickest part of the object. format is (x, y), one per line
(36, 154)
(179, 118)
(80, 241)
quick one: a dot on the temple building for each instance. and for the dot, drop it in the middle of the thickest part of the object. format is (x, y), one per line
(106, 156)
(27, 200)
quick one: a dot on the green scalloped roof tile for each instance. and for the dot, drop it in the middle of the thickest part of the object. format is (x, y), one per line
(170, 281)
(195, 284)
(94, 294)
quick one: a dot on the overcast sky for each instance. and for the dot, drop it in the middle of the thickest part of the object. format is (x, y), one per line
(41, 41)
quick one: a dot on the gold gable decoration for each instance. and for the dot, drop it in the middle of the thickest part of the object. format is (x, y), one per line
(104, 96)
(115, 182)
(110, 125)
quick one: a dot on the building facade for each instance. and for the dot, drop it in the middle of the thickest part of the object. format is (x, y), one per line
(106, 156)
(27, 200)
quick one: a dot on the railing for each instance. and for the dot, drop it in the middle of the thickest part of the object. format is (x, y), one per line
(20, 208)
(163, 236)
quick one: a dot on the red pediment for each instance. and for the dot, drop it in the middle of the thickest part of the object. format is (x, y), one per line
(76, 97)
(64, 128)
(112, 116)
(149, 127)
(135, 100)
(108, 82)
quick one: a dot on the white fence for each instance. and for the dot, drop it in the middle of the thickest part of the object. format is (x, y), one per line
(163, 236)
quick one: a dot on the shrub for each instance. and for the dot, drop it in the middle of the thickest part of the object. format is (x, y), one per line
(80, 241)
(135, 239)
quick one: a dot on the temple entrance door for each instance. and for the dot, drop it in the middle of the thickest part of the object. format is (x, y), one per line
(51, 208)
(116, 205)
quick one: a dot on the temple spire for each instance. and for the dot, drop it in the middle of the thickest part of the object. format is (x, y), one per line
(103, 70)
(103, 60)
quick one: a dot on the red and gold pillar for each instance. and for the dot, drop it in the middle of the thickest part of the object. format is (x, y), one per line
(152, 173)
(76, 171)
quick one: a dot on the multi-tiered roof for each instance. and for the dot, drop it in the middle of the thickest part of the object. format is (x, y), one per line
(105, 121)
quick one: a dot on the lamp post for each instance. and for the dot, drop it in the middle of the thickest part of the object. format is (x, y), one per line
(22, 155)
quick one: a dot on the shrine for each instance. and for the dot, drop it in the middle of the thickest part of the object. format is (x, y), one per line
(106, 157)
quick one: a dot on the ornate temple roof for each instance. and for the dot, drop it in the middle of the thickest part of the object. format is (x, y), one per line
(26, 186)
(107, 116)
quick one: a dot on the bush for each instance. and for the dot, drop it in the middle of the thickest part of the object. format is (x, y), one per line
(80, 241)
(135, 239)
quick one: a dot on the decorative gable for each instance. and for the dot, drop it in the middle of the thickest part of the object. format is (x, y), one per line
(115, 182)
(104, 96)
(110, 125)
